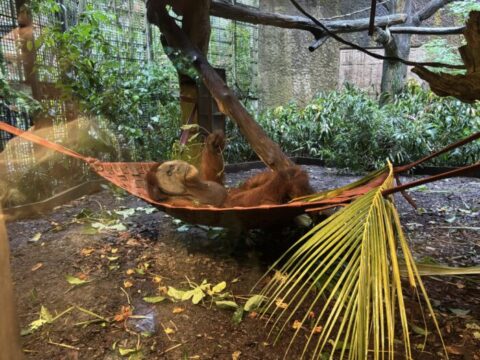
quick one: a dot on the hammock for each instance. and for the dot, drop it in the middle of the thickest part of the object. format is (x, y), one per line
(130, 176)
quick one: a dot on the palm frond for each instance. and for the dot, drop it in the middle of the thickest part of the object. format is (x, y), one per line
(347, 271)
(441, 270)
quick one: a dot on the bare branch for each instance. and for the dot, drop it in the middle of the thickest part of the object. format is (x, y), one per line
(370, 53)
(223, 9)
(453, 30)
(430, 9)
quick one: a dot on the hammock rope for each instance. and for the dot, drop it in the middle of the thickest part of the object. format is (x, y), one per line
(130, 176)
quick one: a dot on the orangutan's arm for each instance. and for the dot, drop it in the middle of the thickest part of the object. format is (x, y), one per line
(212, 166)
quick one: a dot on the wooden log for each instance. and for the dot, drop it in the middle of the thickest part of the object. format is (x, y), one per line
(9, 329)
(465, 87)
(267, 150)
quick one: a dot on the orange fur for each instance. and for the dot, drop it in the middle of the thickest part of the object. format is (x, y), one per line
(271, 188)
(206, 187)
(212, 168)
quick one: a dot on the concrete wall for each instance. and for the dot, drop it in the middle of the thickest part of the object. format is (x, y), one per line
(287, 69)
(289, 72)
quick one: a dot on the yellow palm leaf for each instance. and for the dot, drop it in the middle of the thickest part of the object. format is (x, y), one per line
(347, 271)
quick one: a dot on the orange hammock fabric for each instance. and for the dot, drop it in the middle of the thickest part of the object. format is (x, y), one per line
(130, 176)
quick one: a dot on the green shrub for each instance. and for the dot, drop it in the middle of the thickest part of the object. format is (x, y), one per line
(349, 129)
(139, 101)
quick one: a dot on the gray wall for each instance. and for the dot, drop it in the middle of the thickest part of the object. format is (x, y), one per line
(287, 69)
(289, 72)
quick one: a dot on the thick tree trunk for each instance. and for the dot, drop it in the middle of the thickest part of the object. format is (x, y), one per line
(267, 150)
(196, 25)
(394, 74)
(9, 330)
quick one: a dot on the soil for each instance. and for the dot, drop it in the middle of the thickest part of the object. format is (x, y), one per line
(155, 252)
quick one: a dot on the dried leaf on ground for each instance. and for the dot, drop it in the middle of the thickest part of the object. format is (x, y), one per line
(125, 313)
(87, 251)
(37, 266)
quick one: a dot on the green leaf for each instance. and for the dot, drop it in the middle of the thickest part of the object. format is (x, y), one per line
(187, 295)
(419, 330)
(154, 299)
(238, 315)
(117, 227)
(45, 314)
(183, 228)
(33, 326)
(176, 294)
(460, 312)
(125, 352)
(219, 287)
(75, 281)
(45, 317)
(254, 303)
(125, 213)
(89, 230)
(198, 295)
(36, 237)
(228, 305)
(147, 210)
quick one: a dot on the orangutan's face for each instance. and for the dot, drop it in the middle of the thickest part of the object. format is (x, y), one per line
(171, 176)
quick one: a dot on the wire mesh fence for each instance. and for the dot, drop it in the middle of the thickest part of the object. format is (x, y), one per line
(233, 47)
(133, 42)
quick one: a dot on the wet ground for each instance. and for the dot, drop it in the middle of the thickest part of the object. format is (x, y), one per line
(123, 268)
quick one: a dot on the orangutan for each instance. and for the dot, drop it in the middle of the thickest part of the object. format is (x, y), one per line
(179, 183)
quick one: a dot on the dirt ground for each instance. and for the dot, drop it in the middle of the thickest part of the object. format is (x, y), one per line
(113, 269)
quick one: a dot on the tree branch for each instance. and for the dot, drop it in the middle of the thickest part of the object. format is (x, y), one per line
(223, 9)
(268, 151)
(430, 9)
(465, 87)
(370, 53)
(453, 30)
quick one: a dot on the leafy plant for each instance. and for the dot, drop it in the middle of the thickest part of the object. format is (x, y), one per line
(461, 9)
(445, 51)
(138, 101)
(349, 129)
(442, 51)
(15, 100)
